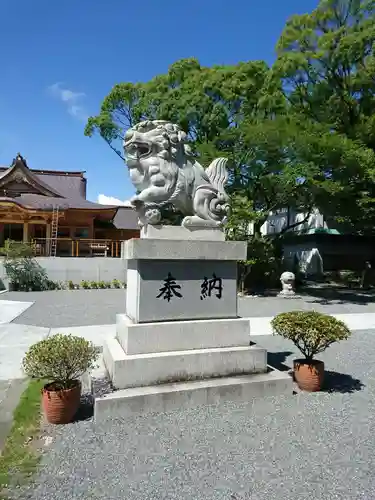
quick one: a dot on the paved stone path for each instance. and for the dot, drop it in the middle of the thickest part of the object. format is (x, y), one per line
(92, 314)
(15, 339)
(14, 342)
(11, 309)
(63, 308)
(66, 308)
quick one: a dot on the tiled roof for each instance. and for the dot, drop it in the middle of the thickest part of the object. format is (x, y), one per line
(48, 202)
(126, 218)
(40, 202)
(68, 184)
(72, 188)
(19, 168)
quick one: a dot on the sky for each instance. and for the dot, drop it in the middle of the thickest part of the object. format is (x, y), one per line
(58, 60)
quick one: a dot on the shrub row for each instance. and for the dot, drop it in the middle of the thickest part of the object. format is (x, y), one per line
(25, 274)
(89, 285)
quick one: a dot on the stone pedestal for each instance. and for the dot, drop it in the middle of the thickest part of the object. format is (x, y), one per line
(181, 341)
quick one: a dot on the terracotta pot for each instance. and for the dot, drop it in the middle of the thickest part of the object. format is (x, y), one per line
(60, 406)
(309, 375)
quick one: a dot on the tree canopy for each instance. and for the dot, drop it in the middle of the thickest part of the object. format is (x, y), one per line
(299, 134)
(326, 64)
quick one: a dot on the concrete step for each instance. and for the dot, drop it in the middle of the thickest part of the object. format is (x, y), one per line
(142, 338)
(140, 370)
(99, 372)
(127, 403)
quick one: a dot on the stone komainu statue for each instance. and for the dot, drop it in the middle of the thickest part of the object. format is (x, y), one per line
(164, 172)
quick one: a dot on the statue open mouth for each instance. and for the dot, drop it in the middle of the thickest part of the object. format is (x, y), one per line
(163, 169)
(135, 150)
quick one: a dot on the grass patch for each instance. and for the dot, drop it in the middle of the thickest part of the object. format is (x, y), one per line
(18, 459)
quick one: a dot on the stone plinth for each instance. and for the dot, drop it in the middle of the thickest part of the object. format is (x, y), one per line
(182, 233)
(182, 279)
(139, 370)
(126, 403)
(160, 290)
(142, 338)
(162, 249)
(180, 341)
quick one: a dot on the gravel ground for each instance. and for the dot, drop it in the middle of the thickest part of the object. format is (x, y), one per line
(66, 308)
(306, 446)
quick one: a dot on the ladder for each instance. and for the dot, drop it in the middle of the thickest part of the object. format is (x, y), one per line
(54, 226)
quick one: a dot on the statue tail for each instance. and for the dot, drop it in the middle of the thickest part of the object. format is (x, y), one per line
(218, 174)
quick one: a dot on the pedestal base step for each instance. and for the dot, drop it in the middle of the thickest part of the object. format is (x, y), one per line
(139, 370)
(143, 338)
(167, 397)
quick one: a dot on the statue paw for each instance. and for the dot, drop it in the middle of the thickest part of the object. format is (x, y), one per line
(153, 216)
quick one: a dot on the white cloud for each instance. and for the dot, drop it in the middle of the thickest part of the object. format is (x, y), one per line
(110, 200)
(72, 100)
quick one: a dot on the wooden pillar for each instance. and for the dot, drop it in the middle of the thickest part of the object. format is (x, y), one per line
(25, 232)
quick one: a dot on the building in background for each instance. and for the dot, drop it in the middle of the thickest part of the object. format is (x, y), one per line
(49, 209)
(318, 244)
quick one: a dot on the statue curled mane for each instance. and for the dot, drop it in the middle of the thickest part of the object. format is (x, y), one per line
(164, 171)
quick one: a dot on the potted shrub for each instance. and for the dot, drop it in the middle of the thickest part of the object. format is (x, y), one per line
(312, 332)
(61, 360)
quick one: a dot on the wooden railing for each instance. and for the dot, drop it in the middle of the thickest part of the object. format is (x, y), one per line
(78, 247)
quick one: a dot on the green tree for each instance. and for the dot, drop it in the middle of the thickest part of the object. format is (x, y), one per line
(274, 176)
(326, 63)
(206, 102)
(226, 112)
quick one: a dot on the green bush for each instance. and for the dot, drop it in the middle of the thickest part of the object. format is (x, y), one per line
(85, 284)
(62, 359)
(94, 284)
(60, 285)
(262, 269)
(26, 274)
(71, 285)
(312, 332)
(16, 249)
(52, 285)
(116, 283)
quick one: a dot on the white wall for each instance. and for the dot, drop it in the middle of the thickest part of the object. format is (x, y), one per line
(277, 221)
(309, 257)
(80, 268)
